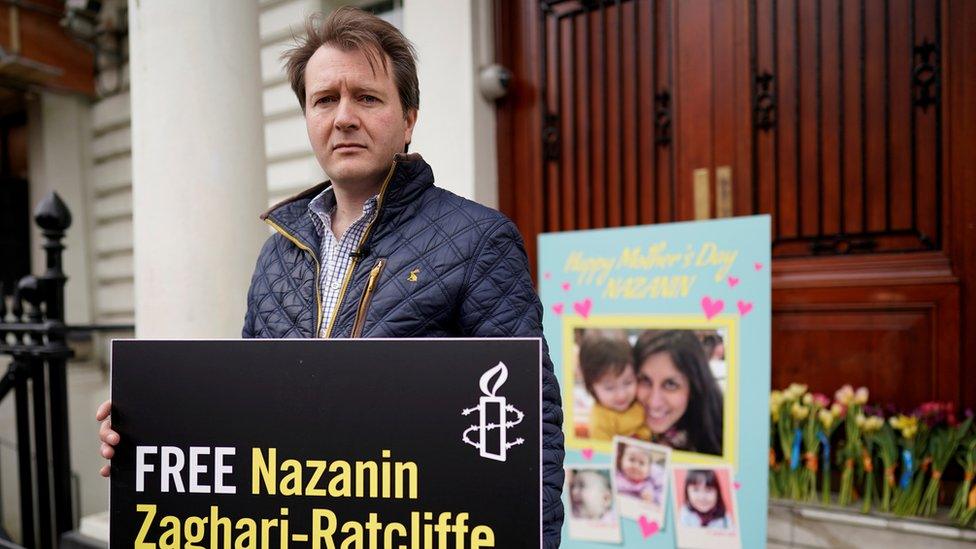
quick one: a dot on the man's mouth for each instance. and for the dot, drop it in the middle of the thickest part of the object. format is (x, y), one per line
(348, 146)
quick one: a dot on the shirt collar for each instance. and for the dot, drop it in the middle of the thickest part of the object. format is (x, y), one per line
(323, 206)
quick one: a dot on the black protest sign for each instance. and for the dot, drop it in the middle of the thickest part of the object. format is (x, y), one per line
(327, 443)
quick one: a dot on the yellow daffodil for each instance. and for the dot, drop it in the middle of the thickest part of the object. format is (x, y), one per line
(908, 425)
(796, 390)
(826, 418)
(837, 409)
(799, 412)
(871, 424)
(844, 395)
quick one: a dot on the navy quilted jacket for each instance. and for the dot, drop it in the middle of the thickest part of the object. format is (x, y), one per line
(473, 282)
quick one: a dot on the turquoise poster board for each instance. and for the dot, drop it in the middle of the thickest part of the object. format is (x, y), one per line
(660, 338)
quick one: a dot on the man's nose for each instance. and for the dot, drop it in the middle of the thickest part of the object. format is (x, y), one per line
(345, 116)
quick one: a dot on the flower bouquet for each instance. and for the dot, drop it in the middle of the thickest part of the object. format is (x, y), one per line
(963, 509)
(870, 427)
(942, 446)
(829, 419)
(813, 404)
(791, 418)
(777, 482)
(887, 443)
(851, 452)
(914, 436)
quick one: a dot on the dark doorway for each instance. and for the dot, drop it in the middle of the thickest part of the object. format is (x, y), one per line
(14, 201)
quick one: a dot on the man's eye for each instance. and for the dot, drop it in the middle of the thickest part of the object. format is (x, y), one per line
(325, 99)
(369, 99)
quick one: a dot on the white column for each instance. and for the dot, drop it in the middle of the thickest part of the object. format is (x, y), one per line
(197, 163)
(455, 131)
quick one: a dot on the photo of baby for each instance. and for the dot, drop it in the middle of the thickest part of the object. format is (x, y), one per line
(608, 375)
(704, 506)
(640, 478)
(592, 513)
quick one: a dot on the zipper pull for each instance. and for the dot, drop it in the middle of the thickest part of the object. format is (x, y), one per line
(374, 274)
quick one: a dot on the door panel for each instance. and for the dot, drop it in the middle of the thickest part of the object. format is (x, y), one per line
(830, 115)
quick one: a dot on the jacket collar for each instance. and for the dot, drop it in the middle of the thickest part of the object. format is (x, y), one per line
(410, 178)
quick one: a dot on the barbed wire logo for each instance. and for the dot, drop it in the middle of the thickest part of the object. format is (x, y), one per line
(493, 411)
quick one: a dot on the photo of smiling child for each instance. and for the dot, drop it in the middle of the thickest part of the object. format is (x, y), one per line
(640, 478)
(705, 507)
(608, 375)
(592, 513)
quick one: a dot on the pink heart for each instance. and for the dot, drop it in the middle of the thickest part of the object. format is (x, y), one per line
(583, 307)
(648, 527)
(587, 454)
(711, 308)
(566, 286)
(758, 266)
(744, 307)
(733, 282)
(547, 275)
(736, 485)
(557, 308)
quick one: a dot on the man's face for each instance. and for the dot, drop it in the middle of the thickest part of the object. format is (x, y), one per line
(354, 118)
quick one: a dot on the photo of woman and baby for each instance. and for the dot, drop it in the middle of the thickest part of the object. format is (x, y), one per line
(661, 386)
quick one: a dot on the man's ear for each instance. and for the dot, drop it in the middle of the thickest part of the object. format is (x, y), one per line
(411, 120)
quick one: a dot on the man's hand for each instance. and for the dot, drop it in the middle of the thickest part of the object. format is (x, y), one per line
(109, 437)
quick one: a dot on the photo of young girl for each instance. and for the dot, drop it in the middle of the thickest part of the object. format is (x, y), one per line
(640, 478)
(592, 513)
(705, 507)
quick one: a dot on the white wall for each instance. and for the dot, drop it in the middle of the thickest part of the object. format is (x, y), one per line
(111, 192)
(291, 165)
(456, 128)
(57, 159)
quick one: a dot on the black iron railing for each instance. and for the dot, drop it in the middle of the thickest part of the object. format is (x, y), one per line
(32, 333)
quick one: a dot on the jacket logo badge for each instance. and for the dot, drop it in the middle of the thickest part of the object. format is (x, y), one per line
(412, 277)
(494, 422)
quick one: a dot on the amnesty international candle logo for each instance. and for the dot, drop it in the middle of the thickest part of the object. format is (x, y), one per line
(493, 413)
(335, 444)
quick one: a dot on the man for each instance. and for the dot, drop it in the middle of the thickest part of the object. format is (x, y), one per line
(379, 251)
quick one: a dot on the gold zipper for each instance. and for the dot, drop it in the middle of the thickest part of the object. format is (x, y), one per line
(318, 292)
(355, 260)
(374, 275)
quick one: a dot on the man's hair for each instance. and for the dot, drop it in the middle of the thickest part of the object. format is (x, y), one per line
(599, 356)
(352, 29)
